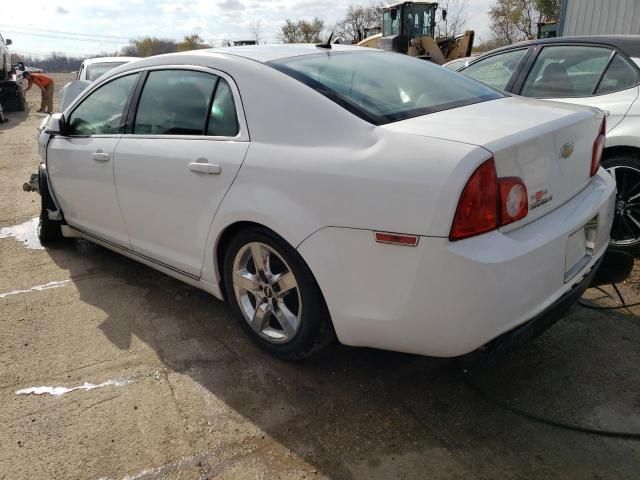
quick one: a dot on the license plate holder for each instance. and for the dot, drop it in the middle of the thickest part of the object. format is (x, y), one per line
(579, 248)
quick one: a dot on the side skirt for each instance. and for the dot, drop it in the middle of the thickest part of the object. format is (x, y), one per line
(194, 281)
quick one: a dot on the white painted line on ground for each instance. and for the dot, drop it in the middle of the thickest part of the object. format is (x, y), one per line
(37, 288)
(57, 391)
(26, 233)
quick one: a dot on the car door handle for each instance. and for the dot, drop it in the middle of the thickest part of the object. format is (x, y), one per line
(100, 156)
(202, 167)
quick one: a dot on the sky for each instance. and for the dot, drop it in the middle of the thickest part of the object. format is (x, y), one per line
(89, 27)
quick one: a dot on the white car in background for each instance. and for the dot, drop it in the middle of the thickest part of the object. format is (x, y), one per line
(337, 189)
(93, 68)
(596, 71)
(90, 70)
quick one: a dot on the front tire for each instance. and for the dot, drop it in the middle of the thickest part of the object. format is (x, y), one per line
(275, 296)
(49, 231)
(625, 232)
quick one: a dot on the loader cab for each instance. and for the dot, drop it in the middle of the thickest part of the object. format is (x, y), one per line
(403, 22)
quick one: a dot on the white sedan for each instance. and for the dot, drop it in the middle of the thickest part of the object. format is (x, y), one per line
(337, 191)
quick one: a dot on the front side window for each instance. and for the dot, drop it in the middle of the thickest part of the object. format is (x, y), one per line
(495, 71)
(619, 76)
(174, 102)
(102, 112)
(384, 87)
(96, 70)
(566, 71)
(390, 22)
(456, 65)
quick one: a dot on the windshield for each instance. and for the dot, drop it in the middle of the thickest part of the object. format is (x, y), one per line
(385, 87)
(98, 69)
(418, 21)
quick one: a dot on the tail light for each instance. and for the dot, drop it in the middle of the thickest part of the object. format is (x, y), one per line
(513, 200)
(478, 206)
(598, 147)
(487, 202)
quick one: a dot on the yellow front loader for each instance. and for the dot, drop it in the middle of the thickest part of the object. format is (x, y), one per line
(409, 28)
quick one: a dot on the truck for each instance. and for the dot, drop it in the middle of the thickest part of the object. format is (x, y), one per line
(11, 94)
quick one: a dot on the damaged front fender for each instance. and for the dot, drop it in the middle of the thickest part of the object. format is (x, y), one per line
(38, 182)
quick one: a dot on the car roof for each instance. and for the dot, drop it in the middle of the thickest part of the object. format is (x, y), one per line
(91, 61)
(627, 44)
(267, 53)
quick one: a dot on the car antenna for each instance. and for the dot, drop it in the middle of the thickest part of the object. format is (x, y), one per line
(326, 45)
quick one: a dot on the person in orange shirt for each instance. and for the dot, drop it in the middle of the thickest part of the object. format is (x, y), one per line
(46, 85)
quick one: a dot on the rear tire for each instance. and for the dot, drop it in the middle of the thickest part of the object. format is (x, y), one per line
(625, 232)
(278, 303)
(14, 101)
(49, 231)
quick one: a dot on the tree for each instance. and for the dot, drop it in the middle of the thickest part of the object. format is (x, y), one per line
(549, 9)
(191, 42)
(256, 30)
(358, 19)
(310, 31)
(456, 19)
(507, 20)
(148, 46)
(55, 62)
(515, 20)
(302, 31)
(129, 50)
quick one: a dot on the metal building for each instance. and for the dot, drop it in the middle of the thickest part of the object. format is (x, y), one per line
(599, 17)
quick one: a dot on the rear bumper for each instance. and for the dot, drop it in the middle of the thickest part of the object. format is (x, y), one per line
(448, 299)
(531, 329)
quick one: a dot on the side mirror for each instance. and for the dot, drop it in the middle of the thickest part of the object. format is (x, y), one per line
(444, 14)
(8, 42)
(56, 125)
(394, 14)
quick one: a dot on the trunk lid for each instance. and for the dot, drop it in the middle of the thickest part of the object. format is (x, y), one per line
(547, 144)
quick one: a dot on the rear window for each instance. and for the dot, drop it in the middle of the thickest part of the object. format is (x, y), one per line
(96, 70)
(385, 87)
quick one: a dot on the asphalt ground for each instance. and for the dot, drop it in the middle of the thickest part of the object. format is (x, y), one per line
(172, 389)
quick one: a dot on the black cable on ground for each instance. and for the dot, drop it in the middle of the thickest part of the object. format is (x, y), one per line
(548, 421)
(603, 307)
(467, 375)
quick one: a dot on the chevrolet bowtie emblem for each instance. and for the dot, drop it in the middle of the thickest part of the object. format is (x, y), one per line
(567, 150)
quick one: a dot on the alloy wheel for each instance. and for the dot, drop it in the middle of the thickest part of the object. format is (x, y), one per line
(267, 292)
(626, 222)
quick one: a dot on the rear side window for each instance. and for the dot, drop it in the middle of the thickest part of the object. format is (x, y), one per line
(223, 119)
(174, 102)
(101, 113)
(496, 71)
(384, 87)
(619, 76)
(183, 102)
(566, 71)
